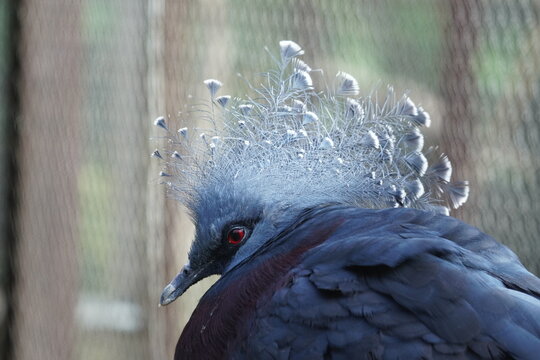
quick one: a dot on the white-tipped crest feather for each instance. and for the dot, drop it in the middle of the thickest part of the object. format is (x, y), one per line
(213, 86)
(289, 49)
(347, 84)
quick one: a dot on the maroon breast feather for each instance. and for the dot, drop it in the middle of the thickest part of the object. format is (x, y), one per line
(221, 319)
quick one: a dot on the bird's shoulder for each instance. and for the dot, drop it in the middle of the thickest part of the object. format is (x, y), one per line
(401, 284)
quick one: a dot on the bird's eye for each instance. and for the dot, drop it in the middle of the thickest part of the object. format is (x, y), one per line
(236, 235)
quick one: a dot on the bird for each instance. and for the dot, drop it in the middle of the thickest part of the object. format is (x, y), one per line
(328, 223)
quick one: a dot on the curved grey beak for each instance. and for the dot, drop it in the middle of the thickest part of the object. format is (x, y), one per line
(185, 278)
(180, 283)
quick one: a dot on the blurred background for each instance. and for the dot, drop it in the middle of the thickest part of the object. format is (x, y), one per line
(89, 239)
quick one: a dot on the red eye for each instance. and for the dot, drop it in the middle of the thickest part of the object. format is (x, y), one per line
(236, 235)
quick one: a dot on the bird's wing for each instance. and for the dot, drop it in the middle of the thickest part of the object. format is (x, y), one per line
(399, 288)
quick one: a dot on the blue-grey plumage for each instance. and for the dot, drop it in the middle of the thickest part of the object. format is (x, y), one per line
(345, 282)
(325, 221)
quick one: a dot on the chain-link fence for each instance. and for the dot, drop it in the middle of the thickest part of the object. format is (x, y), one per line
(89, 239)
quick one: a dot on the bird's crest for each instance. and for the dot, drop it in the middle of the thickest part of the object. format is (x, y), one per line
(289, 142)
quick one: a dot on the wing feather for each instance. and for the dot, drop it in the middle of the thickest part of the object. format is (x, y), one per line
(403, 284)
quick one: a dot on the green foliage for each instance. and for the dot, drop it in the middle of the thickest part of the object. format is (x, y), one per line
(96, 229)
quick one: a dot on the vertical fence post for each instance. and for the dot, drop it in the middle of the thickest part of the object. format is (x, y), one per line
(158, 324)
(9, 145)
(46, 267)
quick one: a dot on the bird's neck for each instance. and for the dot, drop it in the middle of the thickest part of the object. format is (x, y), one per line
(222, 317)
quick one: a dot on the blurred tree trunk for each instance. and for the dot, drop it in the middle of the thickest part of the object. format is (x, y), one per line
(50, 91)
(458, 85)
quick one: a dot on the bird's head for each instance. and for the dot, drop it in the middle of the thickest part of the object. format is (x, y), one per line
(287, 147)
(225, 219)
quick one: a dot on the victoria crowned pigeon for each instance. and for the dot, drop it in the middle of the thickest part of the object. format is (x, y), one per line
(329, 226)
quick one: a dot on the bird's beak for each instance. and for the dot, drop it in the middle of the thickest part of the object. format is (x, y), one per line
(181, 282)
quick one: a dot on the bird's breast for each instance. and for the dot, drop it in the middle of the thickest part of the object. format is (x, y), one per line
(223, 316)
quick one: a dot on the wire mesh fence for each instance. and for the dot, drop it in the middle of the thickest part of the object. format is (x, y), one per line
(94, 240)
